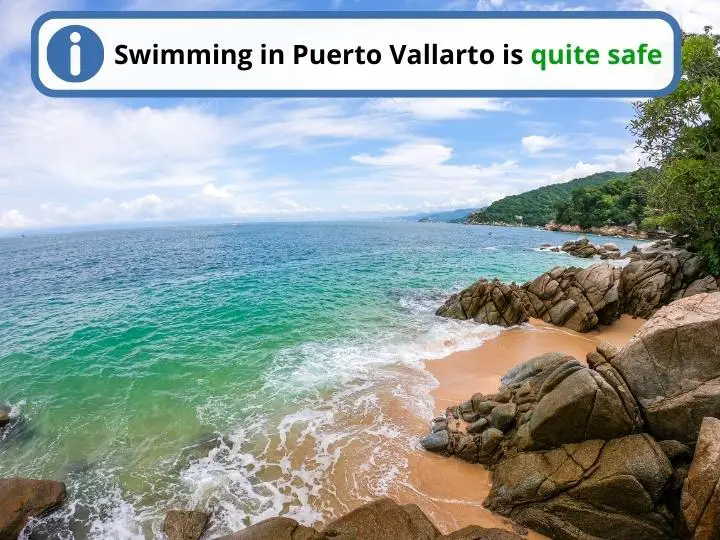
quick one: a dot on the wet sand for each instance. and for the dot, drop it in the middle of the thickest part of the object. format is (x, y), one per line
(449, 490)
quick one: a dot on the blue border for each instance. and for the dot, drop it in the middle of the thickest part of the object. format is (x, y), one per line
(355, 15)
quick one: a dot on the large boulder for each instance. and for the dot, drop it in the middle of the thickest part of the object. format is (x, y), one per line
(586, 491)
(671, 367)
(473, 532)
(4, 415)
(382, 520)
(580, 248)
(543, 403)
(577, 298)
(22, 499)
(277, 528)
(185, 524)
(700, 500)
(659, 275)
(488, 302)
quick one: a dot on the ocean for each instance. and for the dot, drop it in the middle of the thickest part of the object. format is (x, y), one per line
(255, 369)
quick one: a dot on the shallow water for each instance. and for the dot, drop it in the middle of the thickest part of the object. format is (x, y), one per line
(290, 352)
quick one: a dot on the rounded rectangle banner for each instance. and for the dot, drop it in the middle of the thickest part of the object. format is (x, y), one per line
(356, 54)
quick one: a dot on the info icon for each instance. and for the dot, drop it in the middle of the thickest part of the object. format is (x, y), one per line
(75, 53)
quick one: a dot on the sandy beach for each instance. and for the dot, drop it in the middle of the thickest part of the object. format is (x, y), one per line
(449, 490)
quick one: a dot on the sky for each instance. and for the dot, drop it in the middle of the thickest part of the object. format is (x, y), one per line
(74, 162)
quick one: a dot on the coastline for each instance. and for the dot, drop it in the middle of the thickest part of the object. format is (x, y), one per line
(451, 491)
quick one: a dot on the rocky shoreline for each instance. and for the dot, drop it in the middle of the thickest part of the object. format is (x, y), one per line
(626, 445)
(582, 298)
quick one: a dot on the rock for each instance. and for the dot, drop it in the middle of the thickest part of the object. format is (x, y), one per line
(4, 415)
(607, 350)
(676, 451)
(470, 417)
(490, 440)
(586, 491)
(660, 274)
(487, 302)
(580, 248)
(439, 426)
(575, 403)
(185, 524)
(436, 442)
(700, 501)
(473, 532)
(609, 246)
(22, 499)
(671, 367)
(478, 426)
(484, 407)
(382, 520)
(503, 416)
(277, 528)
(582, 298)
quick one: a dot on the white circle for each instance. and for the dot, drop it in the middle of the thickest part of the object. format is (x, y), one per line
(75, 37)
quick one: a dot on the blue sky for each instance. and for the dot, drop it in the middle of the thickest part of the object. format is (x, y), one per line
(75, 162)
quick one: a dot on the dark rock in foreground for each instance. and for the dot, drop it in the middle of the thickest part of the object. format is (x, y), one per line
(489, 302)
(594, 489)
(379, 520)
(4, 415)
(185, 524)
(22, 499)
(278, 528)
(701, 491)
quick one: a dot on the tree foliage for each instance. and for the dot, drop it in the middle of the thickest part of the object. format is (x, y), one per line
(618, 202)
(537, 207)
(680, 134)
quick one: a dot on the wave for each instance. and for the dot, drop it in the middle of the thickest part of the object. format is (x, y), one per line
(330, 425)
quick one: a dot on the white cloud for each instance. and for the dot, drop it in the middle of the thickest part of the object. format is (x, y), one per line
(534, 144)
(216, 193)
(17, 18)
(693, 15)
(443, 109)
(14, 219)
(626, 161)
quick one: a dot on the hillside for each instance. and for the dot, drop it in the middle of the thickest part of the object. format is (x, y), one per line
(539, 206)
(618, 202)
(448, 216)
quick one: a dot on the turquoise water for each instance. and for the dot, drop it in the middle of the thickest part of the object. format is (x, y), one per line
(127, 355)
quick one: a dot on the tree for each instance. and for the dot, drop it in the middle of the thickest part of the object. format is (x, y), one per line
(680, 134)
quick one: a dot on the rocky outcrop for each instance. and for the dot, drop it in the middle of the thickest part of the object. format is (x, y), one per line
(577, 298)
(543, 403)
(22, 499)
(580, 248)
(185, 524)
(672, 367)
(4, 415)
(660, 274)
(575, 448)
(701, 491)
(379, 520)
(488, 302)
(585, 491)
(582, 298)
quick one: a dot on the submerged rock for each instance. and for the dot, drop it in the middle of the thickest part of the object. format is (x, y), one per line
(4, 415)
(22, 499)
(672, 368)
(700, 500)
(185, 524)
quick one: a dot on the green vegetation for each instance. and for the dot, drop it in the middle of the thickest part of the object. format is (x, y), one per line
(618, 202)
(680, 134)
(539, 206)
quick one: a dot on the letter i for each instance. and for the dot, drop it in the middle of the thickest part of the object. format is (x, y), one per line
(75, 67)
